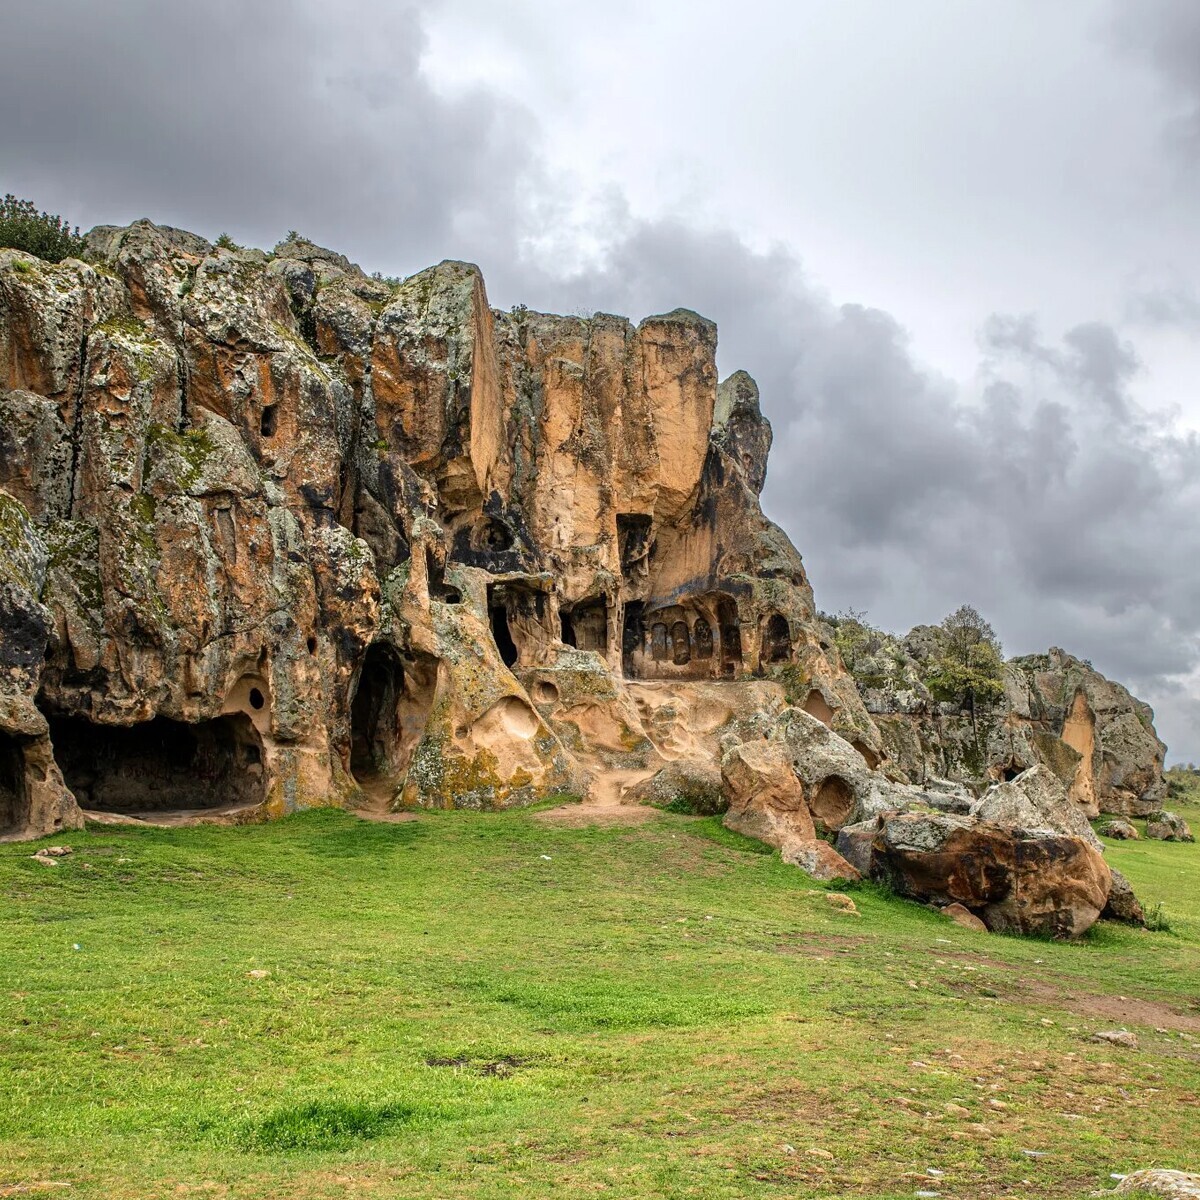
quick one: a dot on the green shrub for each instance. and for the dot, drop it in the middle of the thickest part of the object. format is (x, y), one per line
(48, 236)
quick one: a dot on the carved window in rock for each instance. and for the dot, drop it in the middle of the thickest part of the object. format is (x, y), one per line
(777, 645)
(681, 650)
(703, 635)
(658, 642)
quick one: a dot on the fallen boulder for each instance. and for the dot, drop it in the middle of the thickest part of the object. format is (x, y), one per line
(1013, 879)
(1122, 904)
(1120, 830)
(1036, 800)
(766, 802)
(1167, 826)
(683, 786)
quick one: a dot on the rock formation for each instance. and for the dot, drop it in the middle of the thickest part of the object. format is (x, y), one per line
(274, 530)
(277, 534)
(1056, 710)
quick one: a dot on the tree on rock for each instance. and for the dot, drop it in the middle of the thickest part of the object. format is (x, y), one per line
(969, 667)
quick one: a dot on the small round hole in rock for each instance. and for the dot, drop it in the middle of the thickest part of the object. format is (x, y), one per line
(312, 645)
(256, 698)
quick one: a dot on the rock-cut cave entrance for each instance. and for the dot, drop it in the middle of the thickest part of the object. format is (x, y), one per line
(162, 765)
(388, 711)
(14, 802)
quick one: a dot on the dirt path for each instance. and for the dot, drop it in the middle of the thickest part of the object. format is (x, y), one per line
(378, 792)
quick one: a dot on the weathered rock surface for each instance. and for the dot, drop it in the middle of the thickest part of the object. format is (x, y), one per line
(1122, 904)
(273, 532)
(1056, 710)
(282, 529)
(1167, 826)
(1013, 880)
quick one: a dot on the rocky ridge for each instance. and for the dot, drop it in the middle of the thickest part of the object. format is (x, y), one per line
(273, 532)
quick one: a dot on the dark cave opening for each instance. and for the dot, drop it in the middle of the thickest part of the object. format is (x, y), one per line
(161, 765)
(633, 633)
(585, 626)
(375, 712)
(503, 635)
(14, 802)
(777, 644)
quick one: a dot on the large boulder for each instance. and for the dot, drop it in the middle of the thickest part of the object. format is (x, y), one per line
(1167, 826)
(685, 786)
(766, 802)
(1036, 800)
(1014, 880)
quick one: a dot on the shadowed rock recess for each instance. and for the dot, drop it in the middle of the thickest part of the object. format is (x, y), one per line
(277, 534)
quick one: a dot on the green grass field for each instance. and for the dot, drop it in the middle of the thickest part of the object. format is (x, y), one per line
(497, 1006)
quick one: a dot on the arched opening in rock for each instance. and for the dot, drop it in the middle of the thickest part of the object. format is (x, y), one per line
(702, 632)
(633, 633)
(503, 635)
(817, 706)
(1079, 732)
(585, 626)
(375, 712)
(833, 803)
(161, 765)
(14, 801)
(1009, 772)
(269, 421)
(867, 754)
(777, 642)
(681, 650)
(493, 535)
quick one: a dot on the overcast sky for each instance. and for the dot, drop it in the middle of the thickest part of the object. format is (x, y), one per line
(955, 242)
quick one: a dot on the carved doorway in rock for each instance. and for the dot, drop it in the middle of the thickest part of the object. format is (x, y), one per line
(731, 638)
(375, 713)
(388, 711)
(161, 766)
(14, 801)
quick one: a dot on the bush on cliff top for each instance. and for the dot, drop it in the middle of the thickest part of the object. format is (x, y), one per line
(50, 237)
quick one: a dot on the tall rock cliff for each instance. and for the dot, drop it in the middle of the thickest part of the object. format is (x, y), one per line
(272, 531)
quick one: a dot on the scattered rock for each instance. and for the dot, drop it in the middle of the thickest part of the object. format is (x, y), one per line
(258, 973)
(1122, 904)
(1119, 829)
(1117, 1037)
(1170, 1185)
(957, 1110)
(964, 917)
(820, 860)
(1164, 826)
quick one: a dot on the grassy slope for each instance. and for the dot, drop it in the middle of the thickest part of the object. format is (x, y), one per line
(648, 1012)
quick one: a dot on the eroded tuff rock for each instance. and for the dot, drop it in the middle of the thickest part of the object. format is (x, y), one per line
(284, 530)
(273, 533)
(1057, 710)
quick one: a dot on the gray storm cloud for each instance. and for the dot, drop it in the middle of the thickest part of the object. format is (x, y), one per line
(1038, 490)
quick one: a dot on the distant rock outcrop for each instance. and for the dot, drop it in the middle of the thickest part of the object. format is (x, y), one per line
(1054, 709)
